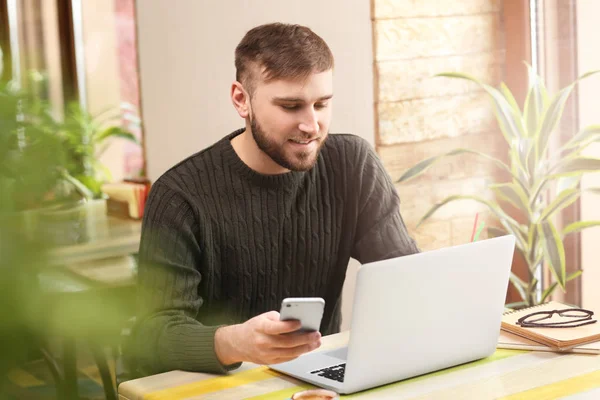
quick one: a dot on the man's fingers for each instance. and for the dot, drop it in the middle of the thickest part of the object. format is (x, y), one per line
(272, 315)
(276, 327)
(295, 340)
(297, 351)
(282, 360)
(271, 324)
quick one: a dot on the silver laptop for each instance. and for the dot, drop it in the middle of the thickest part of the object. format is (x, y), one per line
(416, 314)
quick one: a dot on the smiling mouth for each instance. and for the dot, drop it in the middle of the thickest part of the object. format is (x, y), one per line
(302, 141)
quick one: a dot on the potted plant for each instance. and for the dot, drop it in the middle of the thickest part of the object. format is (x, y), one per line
(84, 138)
(34, 183)
(532, 171)
(65, 197)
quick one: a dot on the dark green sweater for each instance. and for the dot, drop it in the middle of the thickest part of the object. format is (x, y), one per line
(222, 243)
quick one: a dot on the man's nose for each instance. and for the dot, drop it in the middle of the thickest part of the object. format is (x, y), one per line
(310, 123)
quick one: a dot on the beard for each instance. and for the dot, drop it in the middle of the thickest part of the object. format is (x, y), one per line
(294, 161)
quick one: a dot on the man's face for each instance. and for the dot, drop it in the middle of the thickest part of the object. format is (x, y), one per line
(290, 119)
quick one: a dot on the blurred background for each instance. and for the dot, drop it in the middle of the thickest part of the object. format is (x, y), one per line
(99, 97)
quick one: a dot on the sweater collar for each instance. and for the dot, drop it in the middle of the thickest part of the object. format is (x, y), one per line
(291, 178)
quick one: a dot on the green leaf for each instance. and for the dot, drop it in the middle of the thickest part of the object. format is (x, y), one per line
(517, 167)
(588, 74)
(103, 171)
(532, 284)
(507, 222)
(510, 98)
(554, 112)
(110, 112)
(551, 118)
(566, 183)
(459, 75)
(564, 199)
(515, 110)
(531, 160)
(565, 168)
(520, 282)
(551, 288)
(578, 151)
(589, 132)
(532, 236)
(516, 304)
(113, 132)
(92, 183)
(519, 285)
(574, 166)
(554, 251)
(579, 226)
(80, 187)
(118, 118)
(534, 102)
(538, 260)
(512, 193)
(548, 291)
(509, 125)
(424, 165)
(574, 275)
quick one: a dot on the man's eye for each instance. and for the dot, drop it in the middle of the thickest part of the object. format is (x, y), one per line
(289, 107)
(319, 106)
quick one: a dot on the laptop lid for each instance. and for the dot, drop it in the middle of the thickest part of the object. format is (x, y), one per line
(428, 311)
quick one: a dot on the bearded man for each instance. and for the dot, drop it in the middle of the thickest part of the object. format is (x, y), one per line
(275, 209)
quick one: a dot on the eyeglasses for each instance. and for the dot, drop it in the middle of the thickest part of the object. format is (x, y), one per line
(573, 317)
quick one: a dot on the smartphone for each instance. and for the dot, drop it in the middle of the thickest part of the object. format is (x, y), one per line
(308, 310)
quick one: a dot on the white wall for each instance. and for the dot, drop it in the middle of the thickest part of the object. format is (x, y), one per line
(588, 58)
(186, 67)
(186, 53)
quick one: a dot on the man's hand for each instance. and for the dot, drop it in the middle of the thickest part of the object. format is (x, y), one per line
(260, 340)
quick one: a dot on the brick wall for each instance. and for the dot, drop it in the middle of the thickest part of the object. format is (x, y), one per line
(419, 116)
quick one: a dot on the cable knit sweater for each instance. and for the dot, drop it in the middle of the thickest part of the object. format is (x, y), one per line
(222, 243)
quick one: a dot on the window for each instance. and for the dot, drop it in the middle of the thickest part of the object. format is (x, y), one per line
(69, 51)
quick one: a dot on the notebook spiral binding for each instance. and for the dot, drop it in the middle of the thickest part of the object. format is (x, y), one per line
(523, 309)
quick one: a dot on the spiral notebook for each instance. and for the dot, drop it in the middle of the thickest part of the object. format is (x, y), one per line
(511, 341)
(560, 339)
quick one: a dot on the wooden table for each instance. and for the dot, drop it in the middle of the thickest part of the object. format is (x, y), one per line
(112, 237)
(507, 374)
(96, 275)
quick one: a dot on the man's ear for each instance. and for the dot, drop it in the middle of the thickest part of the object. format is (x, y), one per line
(240, 99)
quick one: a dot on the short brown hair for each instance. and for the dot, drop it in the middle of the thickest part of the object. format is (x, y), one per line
(282, 51)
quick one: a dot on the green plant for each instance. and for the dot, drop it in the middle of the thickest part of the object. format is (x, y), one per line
(83, 135)
(534, 175)
(23, 177)
(32, 171)
(30, 157)
(86, 136)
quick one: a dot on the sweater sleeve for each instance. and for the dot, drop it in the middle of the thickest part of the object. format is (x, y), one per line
(167, 335)
(380, 231)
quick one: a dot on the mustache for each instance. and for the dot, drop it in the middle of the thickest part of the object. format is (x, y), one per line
(305, 137)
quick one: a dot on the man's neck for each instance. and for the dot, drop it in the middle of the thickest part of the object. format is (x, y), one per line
(248, 151)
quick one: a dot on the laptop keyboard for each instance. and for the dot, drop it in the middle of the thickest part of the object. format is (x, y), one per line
(335, 372)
